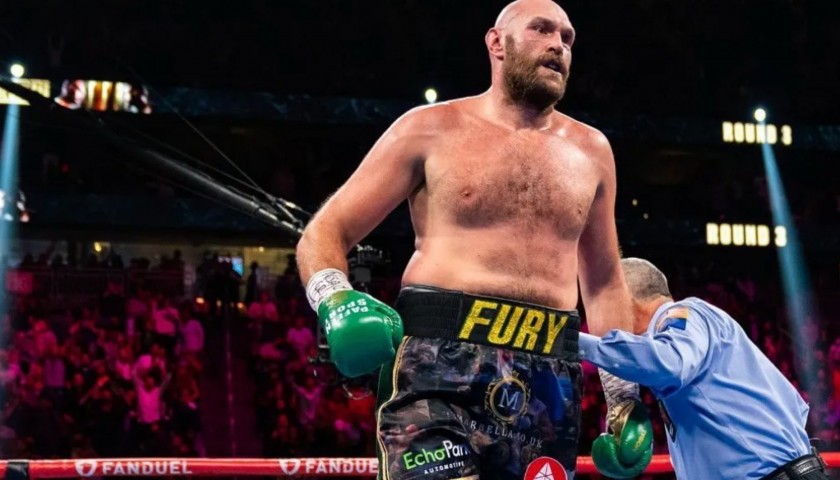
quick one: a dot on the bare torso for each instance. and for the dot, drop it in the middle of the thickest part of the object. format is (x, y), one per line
(500, 211)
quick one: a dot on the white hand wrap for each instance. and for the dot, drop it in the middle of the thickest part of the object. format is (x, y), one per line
(325, 283)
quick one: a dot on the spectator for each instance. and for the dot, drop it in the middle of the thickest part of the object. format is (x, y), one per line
(263, 309)
(192, 333)
(309, 402)
(166, 319)
(124, 364)
(149, 412)
(251, 285)
(155, 358)
(300, 336)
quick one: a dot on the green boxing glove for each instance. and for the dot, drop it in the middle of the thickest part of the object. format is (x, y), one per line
(362, 332)
(626, 451)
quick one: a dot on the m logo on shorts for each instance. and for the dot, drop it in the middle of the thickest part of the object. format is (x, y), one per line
(507, 399)
(512, 326)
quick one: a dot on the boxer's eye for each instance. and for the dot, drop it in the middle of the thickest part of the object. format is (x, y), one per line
(568, 38)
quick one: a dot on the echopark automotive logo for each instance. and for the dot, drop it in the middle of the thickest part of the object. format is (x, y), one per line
(85, 468)
(545, 468)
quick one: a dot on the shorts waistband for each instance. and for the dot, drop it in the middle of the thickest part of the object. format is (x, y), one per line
(497, 322)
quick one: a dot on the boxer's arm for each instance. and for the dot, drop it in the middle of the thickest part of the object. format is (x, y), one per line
(606, 297)
(664, 361)
(386, 176)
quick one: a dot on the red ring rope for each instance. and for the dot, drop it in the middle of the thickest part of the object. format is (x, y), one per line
(219, 467)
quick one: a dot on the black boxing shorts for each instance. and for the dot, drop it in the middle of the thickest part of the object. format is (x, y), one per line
(480, 387)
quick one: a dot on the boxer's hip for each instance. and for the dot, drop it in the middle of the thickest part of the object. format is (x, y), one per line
(496, 322)
(485, 384)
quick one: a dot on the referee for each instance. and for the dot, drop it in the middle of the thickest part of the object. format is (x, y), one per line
(728, 411)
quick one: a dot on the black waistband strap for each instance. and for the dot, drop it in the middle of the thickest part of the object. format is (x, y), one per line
(797, 469)
(497, 322)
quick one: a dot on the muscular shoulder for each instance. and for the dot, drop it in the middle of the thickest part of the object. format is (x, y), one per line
(589, 139)
(429, 120)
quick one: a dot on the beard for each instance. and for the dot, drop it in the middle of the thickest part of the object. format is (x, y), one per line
(523, 80)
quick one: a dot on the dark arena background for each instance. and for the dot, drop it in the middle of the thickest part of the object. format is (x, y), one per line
(158, 158)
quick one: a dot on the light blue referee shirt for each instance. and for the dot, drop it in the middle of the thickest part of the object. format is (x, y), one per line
(729, 412)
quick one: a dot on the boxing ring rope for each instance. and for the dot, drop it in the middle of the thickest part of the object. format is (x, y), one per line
(244, 467)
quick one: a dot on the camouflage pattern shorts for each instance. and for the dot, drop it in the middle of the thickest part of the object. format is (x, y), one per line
(455, 409)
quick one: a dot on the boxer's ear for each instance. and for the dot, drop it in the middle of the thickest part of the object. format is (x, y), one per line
(495, 45)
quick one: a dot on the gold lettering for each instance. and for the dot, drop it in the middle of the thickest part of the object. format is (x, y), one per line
(728, 135)
(772, 134)
(725, 234)
(712, 236)
(640, 440)
(554, 329)
(763, 235)
(739, 132)
(496, 335)
(737, 234)
(751, 238)
(530, 328)
(781, 236)
(787, 135)
(750, 133)
(475, 317)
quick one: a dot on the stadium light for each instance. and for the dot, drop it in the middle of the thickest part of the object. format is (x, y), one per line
(431, 95)
(17, 70)
(760, 114)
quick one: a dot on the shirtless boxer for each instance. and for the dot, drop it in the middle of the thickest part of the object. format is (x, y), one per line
(512, 203)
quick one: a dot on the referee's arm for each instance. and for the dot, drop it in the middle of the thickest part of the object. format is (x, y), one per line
(664, 361)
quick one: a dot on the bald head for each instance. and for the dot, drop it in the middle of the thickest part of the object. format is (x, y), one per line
(530, 50)
(519, 8)
(646, 282)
